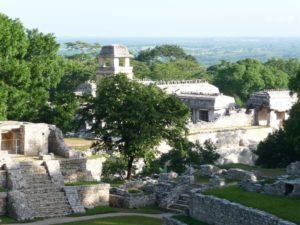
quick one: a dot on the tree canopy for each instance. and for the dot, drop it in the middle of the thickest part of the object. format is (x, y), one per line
(133, 118)
(29, 68)
(244, 77)
(167, 62)
(164, 53)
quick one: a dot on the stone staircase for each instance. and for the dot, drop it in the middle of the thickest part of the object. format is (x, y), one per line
(40, 195)
(181, 206)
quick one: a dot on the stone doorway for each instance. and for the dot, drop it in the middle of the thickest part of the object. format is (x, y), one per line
(10, 141)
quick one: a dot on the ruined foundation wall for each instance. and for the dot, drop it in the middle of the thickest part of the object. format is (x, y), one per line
(218, 211)
(93, 195)
(236, 119)
(3, 203)
(81, 169)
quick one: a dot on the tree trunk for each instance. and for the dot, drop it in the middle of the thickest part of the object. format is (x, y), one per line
(129, 167)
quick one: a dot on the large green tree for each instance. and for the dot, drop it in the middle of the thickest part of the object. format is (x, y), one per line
(29, 68)
(167, 62)
(241, 78)
(163, 53)
(133, 118)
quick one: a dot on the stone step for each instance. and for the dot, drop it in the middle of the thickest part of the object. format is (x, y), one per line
(176, 211)
(48, 201)
(41, 190)
(51, 208)
(49, 214)
(183, 202)
(185, 197)
(179, 206)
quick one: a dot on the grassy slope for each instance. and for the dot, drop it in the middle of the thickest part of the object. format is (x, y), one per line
(123, 220)
(283, 207)
(78, 143)
(265, 172)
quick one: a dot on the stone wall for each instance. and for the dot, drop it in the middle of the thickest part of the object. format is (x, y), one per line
(93, 195)
(234, 145)
(3, 203)
(3, 178)
(35, 138)
(81, 169)
(130, 201)
(235, 119)
(213, 210)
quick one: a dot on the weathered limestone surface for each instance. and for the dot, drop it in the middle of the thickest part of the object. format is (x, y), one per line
(172, 221)
(210, 170)
(73, 199)
(213, 210)
(35, 138)
(93, 195)
(56, 142)
(294, 169)
(81, 169)
(53, 169)
(18, 207)
(32, 193)
(239, 174)
(130, 200)
(234, 145)
(3, 178)
(3, 203)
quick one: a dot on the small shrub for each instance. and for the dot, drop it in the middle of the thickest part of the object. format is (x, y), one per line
(133, 190)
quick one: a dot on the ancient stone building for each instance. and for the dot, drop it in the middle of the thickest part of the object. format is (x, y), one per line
(114, 59)
(204, 99)
(31, 139)
(271, 107)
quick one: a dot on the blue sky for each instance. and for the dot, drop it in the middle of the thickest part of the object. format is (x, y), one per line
(158, 18)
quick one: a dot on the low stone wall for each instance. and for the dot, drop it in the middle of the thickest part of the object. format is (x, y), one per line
(172, 221)
(130, 201)
(238, 119)
(3, 203)
(93, 195)
(3, 178)
(81, 169)
(213, 210)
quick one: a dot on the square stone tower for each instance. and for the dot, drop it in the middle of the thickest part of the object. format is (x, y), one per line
(114, 59)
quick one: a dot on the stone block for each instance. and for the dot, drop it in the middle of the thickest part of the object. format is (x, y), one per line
(209, 170)
(294, 169)
(239, 174)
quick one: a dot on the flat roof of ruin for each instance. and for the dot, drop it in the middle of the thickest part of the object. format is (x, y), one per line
(114, 51)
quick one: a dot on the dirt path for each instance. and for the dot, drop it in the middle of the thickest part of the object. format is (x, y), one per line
(59, 220)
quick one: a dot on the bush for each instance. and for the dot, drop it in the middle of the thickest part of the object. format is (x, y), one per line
(114, 166)
(275, 151)
(184, 154)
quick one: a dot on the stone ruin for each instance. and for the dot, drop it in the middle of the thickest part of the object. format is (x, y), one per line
(286, 185)
(36, 167)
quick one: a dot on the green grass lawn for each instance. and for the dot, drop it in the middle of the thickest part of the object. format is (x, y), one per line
(122, 220)
(80, 183)
(188, 220)
(283, 207)
(7, 220)
(108, 209)
(78, 143)
(265, 172)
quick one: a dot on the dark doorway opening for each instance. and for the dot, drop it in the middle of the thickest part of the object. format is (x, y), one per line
(288, 189)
